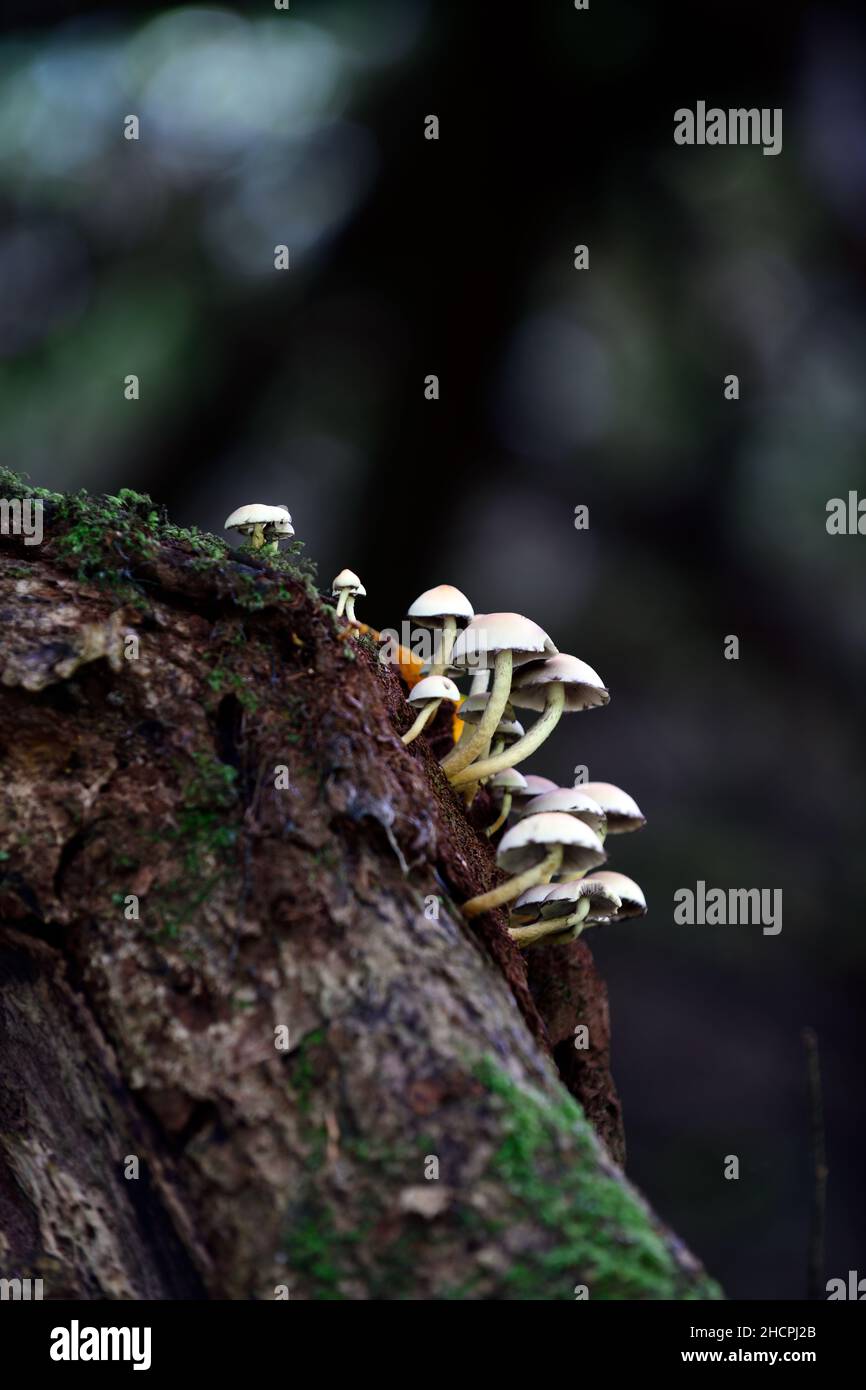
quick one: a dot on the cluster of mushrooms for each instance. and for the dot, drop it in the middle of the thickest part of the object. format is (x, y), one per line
(555, 836)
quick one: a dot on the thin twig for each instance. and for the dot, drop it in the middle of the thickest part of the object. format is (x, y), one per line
(815, 1283)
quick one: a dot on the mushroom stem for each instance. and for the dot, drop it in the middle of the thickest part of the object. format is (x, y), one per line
(258, 536)
(423, 718)
(562, 927)
(462, 756)
(446, 646)
(502, 817)
(350, 608)
(518, 751)
(341, 602)
(507, 892)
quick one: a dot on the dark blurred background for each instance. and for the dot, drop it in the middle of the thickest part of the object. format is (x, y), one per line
(558, 388)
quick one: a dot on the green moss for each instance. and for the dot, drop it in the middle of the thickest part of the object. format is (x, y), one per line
(601, 1233)
(105, 537)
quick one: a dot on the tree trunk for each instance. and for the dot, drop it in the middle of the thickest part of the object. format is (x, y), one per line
(248, 1045)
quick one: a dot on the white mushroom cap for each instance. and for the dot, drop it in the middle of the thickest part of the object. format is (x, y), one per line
(584, 688)
(509, 730)
(481, 642)
(444, 601)
(260, 514)
(527, 908)
(531, 840)
(573, 801)
(631, 893)
(347, 580)
(509, 780)
(536, 785)
(623, 813)
(433, 688)
(603, 901)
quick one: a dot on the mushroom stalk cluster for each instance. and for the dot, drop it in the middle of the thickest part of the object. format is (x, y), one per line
(552, 837)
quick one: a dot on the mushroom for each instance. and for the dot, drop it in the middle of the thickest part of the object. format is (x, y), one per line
(633, 902)
(573, 801)
(429, 694)
(535, 786)
(265, 524)
(527, 908)
(566, 909)
(535, 849)
(500, 640)
(345, 587)
(507, 782)
(442, 609)
(622, 812)
(562, 684)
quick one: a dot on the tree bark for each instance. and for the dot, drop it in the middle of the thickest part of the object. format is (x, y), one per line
(248, 1044)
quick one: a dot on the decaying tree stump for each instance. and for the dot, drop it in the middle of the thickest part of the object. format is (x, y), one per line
(243, 1024)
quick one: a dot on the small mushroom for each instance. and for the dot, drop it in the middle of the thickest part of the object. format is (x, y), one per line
(633, 902)
(535, 786)
(500, 641)
(573, 801)
(527, 908)
(442, 609)
(622, 811)
(264, 523)
(344, 588)
(566, 909)
(562, 684)
(506, 783)
(429, 694)
(535, 849)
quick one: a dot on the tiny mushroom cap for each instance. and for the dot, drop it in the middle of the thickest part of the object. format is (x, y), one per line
(573, 801)
(508, 781)
(433, 688)
(347, 580)
(527, 907)
(485, 637)
(260, 514)
(584, 687)
(630, 893)
(509, 730)
(603, 901)
(530, 841)
(623, 813)
(537, 785)
(431, 607)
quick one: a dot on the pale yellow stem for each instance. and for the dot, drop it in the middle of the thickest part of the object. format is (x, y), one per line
(561, 927)
(502, 817)
(522, 749)
(446, 647)
(507, 892)
(342, 601)
(461, 756)
(423, 718)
